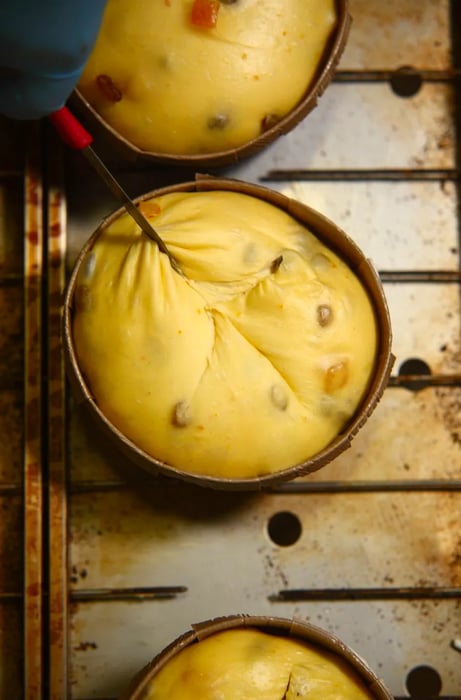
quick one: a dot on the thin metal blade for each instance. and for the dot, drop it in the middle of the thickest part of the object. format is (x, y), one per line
(118, 191)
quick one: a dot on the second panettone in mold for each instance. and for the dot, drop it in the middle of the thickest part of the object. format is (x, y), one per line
(209, 80)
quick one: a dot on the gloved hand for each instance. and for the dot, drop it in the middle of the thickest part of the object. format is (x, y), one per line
(44, 45)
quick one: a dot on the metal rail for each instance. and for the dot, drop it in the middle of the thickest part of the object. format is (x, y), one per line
(33, 447)
(57, 536)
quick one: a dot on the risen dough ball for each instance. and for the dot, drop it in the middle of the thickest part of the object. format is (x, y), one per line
(246, 664)
(251, 364)
(170, 86)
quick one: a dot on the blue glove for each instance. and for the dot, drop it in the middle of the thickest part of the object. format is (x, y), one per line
(44, 45)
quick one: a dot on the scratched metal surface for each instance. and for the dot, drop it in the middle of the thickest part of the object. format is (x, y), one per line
(378, 560)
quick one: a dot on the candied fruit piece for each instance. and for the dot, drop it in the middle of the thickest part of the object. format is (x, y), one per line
(205, 13)
(108, 88)
(150, 209)
(336, 376)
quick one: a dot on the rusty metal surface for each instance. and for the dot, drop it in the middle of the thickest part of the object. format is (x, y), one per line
(33, 437)
(20, 434)
(132, 561)
(378, 558)
(395, 34)
(57, 658)
(379, 535)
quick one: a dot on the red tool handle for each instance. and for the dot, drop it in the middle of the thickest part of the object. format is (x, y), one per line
(70, 129)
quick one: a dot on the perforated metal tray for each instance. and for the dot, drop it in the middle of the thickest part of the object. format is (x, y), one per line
(100, 565)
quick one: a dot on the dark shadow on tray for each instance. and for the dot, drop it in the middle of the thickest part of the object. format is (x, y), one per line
(163, 493)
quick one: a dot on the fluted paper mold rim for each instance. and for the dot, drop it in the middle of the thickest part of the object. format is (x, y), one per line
(297, 629)
(322, 78)
(334, 238)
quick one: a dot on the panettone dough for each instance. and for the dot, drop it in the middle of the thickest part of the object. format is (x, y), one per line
(247, 664)
(170, 86)
(251, 364)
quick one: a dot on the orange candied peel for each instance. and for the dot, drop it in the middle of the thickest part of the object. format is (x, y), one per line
(205, 13)
(336, 377)
(149, 209)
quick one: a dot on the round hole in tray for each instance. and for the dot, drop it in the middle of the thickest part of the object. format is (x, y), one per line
(414, 366)
(406, 82)
(284, 528)
(423, 682)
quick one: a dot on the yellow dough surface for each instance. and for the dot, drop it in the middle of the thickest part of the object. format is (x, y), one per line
(247, 664)
(250, 363)
(170, 86)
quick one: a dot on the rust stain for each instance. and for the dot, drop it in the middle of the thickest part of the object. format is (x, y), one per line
(56, 628)
(55, 229)
(33, 237)
(450, 411)
(448, 405)
(33, 471)
(32, 432)
(33, 589)
(33, 191)
(392, 34)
